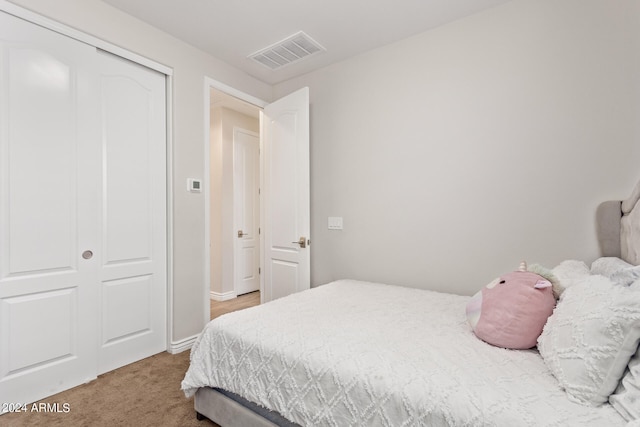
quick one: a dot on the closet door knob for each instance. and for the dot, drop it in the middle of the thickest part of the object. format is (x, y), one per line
(87, 254)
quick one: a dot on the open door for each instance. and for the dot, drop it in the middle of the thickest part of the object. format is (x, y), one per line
(285, 196)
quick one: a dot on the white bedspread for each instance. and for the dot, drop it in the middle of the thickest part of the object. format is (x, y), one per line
(362, 354)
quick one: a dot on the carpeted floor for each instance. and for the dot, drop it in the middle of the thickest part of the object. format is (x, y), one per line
(145, 393)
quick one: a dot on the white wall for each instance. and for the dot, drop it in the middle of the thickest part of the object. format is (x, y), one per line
(223, 121)
(456, 153)
(190, 68)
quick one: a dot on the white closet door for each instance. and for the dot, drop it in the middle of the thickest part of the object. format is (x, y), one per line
(133, 228)
(82, 212)
(48, 208)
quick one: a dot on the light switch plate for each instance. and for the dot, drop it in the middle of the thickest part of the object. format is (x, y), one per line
(335, 223)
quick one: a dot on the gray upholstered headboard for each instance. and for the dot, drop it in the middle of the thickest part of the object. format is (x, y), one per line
(619, 228)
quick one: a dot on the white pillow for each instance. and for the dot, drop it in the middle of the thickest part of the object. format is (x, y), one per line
(590, 337)
(616, 269)
(568, 273)
(626, 398)
(626, 277)
(608, 265)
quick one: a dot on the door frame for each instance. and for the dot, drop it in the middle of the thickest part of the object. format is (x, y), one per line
(210, 83)
(50, 24)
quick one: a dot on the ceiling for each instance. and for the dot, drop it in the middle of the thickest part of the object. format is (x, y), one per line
(231, 30)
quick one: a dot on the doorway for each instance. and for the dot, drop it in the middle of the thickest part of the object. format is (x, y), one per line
(284, 208)
(233, 175)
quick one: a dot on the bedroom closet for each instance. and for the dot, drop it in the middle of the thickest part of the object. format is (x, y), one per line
(83, 255)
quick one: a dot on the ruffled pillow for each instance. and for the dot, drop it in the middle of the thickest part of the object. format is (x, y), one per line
(626, 398)
(616, 269)
(590, 338)
(567, 274)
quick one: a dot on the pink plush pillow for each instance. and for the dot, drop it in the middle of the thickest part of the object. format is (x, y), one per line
(511, 311)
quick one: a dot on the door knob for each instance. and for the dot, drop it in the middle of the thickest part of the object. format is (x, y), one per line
(241, 233)
(302, 242)
(87, 254)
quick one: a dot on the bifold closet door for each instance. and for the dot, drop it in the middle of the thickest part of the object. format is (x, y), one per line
(82, 212)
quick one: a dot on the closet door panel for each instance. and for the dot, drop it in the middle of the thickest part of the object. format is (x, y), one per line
(133, 273)
(41, 146)
(128, 144)
(48, 199)
(127, 304)
(32, 343)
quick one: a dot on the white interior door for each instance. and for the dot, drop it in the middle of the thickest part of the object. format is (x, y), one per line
(49, 195)
(246, 183)
(285, 187)
(132, 322)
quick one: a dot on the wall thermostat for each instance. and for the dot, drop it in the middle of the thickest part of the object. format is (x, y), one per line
(194, 185)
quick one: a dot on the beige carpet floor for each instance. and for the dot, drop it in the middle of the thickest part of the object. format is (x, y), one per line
(145, 393)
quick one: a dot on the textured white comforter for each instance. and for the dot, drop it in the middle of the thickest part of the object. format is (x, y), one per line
(363, 354)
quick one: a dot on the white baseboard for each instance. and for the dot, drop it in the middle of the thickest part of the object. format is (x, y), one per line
(182, 345)
(217, 296)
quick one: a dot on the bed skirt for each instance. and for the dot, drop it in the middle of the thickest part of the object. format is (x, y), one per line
(228, 410)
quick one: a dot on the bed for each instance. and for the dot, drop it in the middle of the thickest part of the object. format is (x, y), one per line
(354, 353)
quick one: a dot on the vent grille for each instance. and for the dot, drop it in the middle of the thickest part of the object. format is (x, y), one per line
(287, 51)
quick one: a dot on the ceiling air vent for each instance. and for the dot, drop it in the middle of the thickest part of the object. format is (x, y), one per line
(287, 51)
